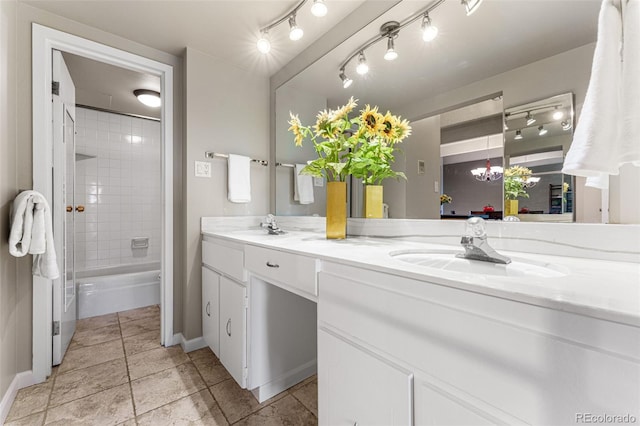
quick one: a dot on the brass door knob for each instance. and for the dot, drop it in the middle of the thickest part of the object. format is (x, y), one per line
(80, 209)
(69, 209)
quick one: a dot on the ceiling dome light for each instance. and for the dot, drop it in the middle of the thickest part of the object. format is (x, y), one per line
(391, 54)
(518, 135)
(558, 114)
(346, 81)
(530, 119)
(264, 45)
(471, 6)
(319, 9)
(542, 131)
(295, 32)
(362, 67)
(150, 98)
(429, 31)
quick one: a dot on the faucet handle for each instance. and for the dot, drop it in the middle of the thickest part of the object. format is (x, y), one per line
(476, 227)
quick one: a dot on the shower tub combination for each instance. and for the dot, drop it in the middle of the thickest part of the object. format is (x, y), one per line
(116, 289)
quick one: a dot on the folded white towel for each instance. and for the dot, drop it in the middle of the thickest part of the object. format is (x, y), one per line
(239, 179)
(32, 233)
(302, 186)
(595, 147)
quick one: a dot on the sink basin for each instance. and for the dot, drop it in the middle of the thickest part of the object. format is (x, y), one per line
(446, 260)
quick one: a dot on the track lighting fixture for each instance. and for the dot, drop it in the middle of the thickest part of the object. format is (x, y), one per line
(391, 53)
(390, 31)
(319, 8)
(542, 131)
(518, 135)
(295, 32)
(530, 119)
(566, 125)
(346, 81)
(362, 67)
(429, 31)
(471, 6)
(558, 114)
(264, 45)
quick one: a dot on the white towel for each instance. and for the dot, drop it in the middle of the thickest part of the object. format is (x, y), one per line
(630, 93)
(302, 186)
(239, 179)
(595, 147)
(32, 233)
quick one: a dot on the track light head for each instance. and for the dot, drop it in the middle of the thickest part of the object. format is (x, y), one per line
(429, 31)
(542, 131)
(530, 119)
(346, 81)
(558, 114)
(319, 8)
(362, 67)
(471, 6)
(518, 135)
(295, 32)
(264, 45)
(391, 54)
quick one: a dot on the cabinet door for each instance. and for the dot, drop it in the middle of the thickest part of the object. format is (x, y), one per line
(356, 387)
(211, 309)
(233, 328)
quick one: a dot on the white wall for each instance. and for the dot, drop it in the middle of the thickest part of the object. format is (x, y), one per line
(227, 111)
(9, 308)
(120, 188)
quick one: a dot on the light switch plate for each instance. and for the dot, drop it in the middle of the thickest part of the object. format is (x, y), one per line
(203, 169)
(436, 186)
(421, 167)
(318, 181)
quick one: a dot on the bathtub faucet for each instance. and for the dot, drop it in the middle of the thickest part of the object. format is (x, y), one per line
(475, 243)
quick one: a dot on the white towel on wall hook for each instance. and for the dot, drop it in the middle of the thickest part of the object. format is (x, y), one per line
(32, 233)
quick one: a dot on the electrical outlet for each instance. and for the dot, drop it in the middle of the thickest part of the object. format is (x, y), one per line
(203, 169)
(421, 167)
(318, 181)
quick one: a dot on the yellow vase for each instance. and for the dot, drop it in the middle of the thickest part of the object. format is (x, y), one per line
(510, 207)
(336, 210)
(373, 201)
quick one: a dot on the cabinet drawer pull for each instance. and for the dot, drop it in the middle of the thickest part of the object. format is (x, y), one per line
(272, 265)
(208, 309)
(229, 327)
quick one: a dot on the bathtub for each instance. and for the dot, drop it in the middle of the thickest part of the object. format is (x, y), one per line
(108, 290)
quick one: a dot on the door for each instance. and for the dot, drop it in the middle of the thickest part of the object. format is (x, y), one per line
(64, 208)
(210, 309)
(233, 328)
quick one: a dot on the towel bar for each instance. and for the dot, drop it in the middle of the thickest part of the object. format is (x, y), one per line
(209, 154)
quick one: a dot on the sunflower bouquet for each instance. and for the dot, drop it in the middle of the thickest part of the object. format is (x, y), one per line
(361, 146)
(514, 179)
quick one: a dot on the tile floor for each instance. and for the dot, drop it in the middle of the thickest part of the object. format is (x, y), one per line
(116, 373)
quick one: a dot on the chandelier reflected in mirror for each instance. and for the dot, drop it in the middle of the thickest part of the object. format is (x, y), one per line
(488, 173)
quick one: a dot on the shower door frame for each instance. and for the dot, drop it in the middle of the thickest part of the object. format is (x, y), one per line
(44, 40)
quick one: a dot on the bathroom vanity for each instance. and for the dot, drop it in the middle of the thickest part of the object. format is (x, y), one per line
(405, 335)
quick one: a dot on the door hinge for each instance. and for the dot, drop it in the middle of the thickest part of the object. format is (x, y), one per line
(55, 88)
(246, 302)
(56, 328)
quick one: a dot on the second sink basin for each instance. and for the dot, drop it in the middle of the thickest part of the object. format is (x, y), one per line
(446, 260)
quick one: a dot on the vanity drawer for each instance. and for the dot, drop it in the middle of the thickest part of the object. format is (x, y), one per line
(225, 258)
(294, 271)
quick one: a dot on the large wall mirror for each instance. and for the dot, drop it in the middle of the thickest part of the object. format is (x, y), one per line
(464, 93)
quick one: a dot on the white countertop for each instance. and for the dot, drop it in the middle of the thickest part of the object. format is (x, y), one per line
(599, 288)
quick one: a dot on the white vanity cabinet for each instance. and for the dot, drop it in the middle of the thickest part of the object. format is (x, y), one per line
(224, 305)
(475, 359)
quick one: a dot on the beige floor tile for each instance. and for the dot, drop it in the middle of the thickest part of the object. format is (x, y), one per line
(196, 409)
(97, 322)
(32, 420)
(284, 412)
(142, 342)
(165, 386)
(130, 422)
(144, 325)
(140, 313)
(91, 355)
(30, 400)
(308, 396)
(146, 363)
(77, 384)
(109, 407)
(303, 383)
(209, 366)
(237, 403)
(94, 336)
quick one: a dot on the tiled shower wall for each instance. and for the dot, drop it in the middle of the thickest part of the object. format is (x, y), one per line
(118, 180)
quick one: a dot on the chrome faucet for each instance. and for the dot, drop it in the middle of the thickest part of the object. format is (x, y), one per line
(271, 226)
(475, 243)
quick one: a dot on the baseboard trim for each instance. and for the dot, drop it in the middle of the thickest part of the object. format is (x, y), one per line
(21, 380)
(285, 381)
(188, 345)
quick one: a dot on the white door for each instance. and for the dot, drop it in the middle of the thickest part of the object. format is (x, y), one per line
(233, 326)
(211, 309)
(64, 208)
